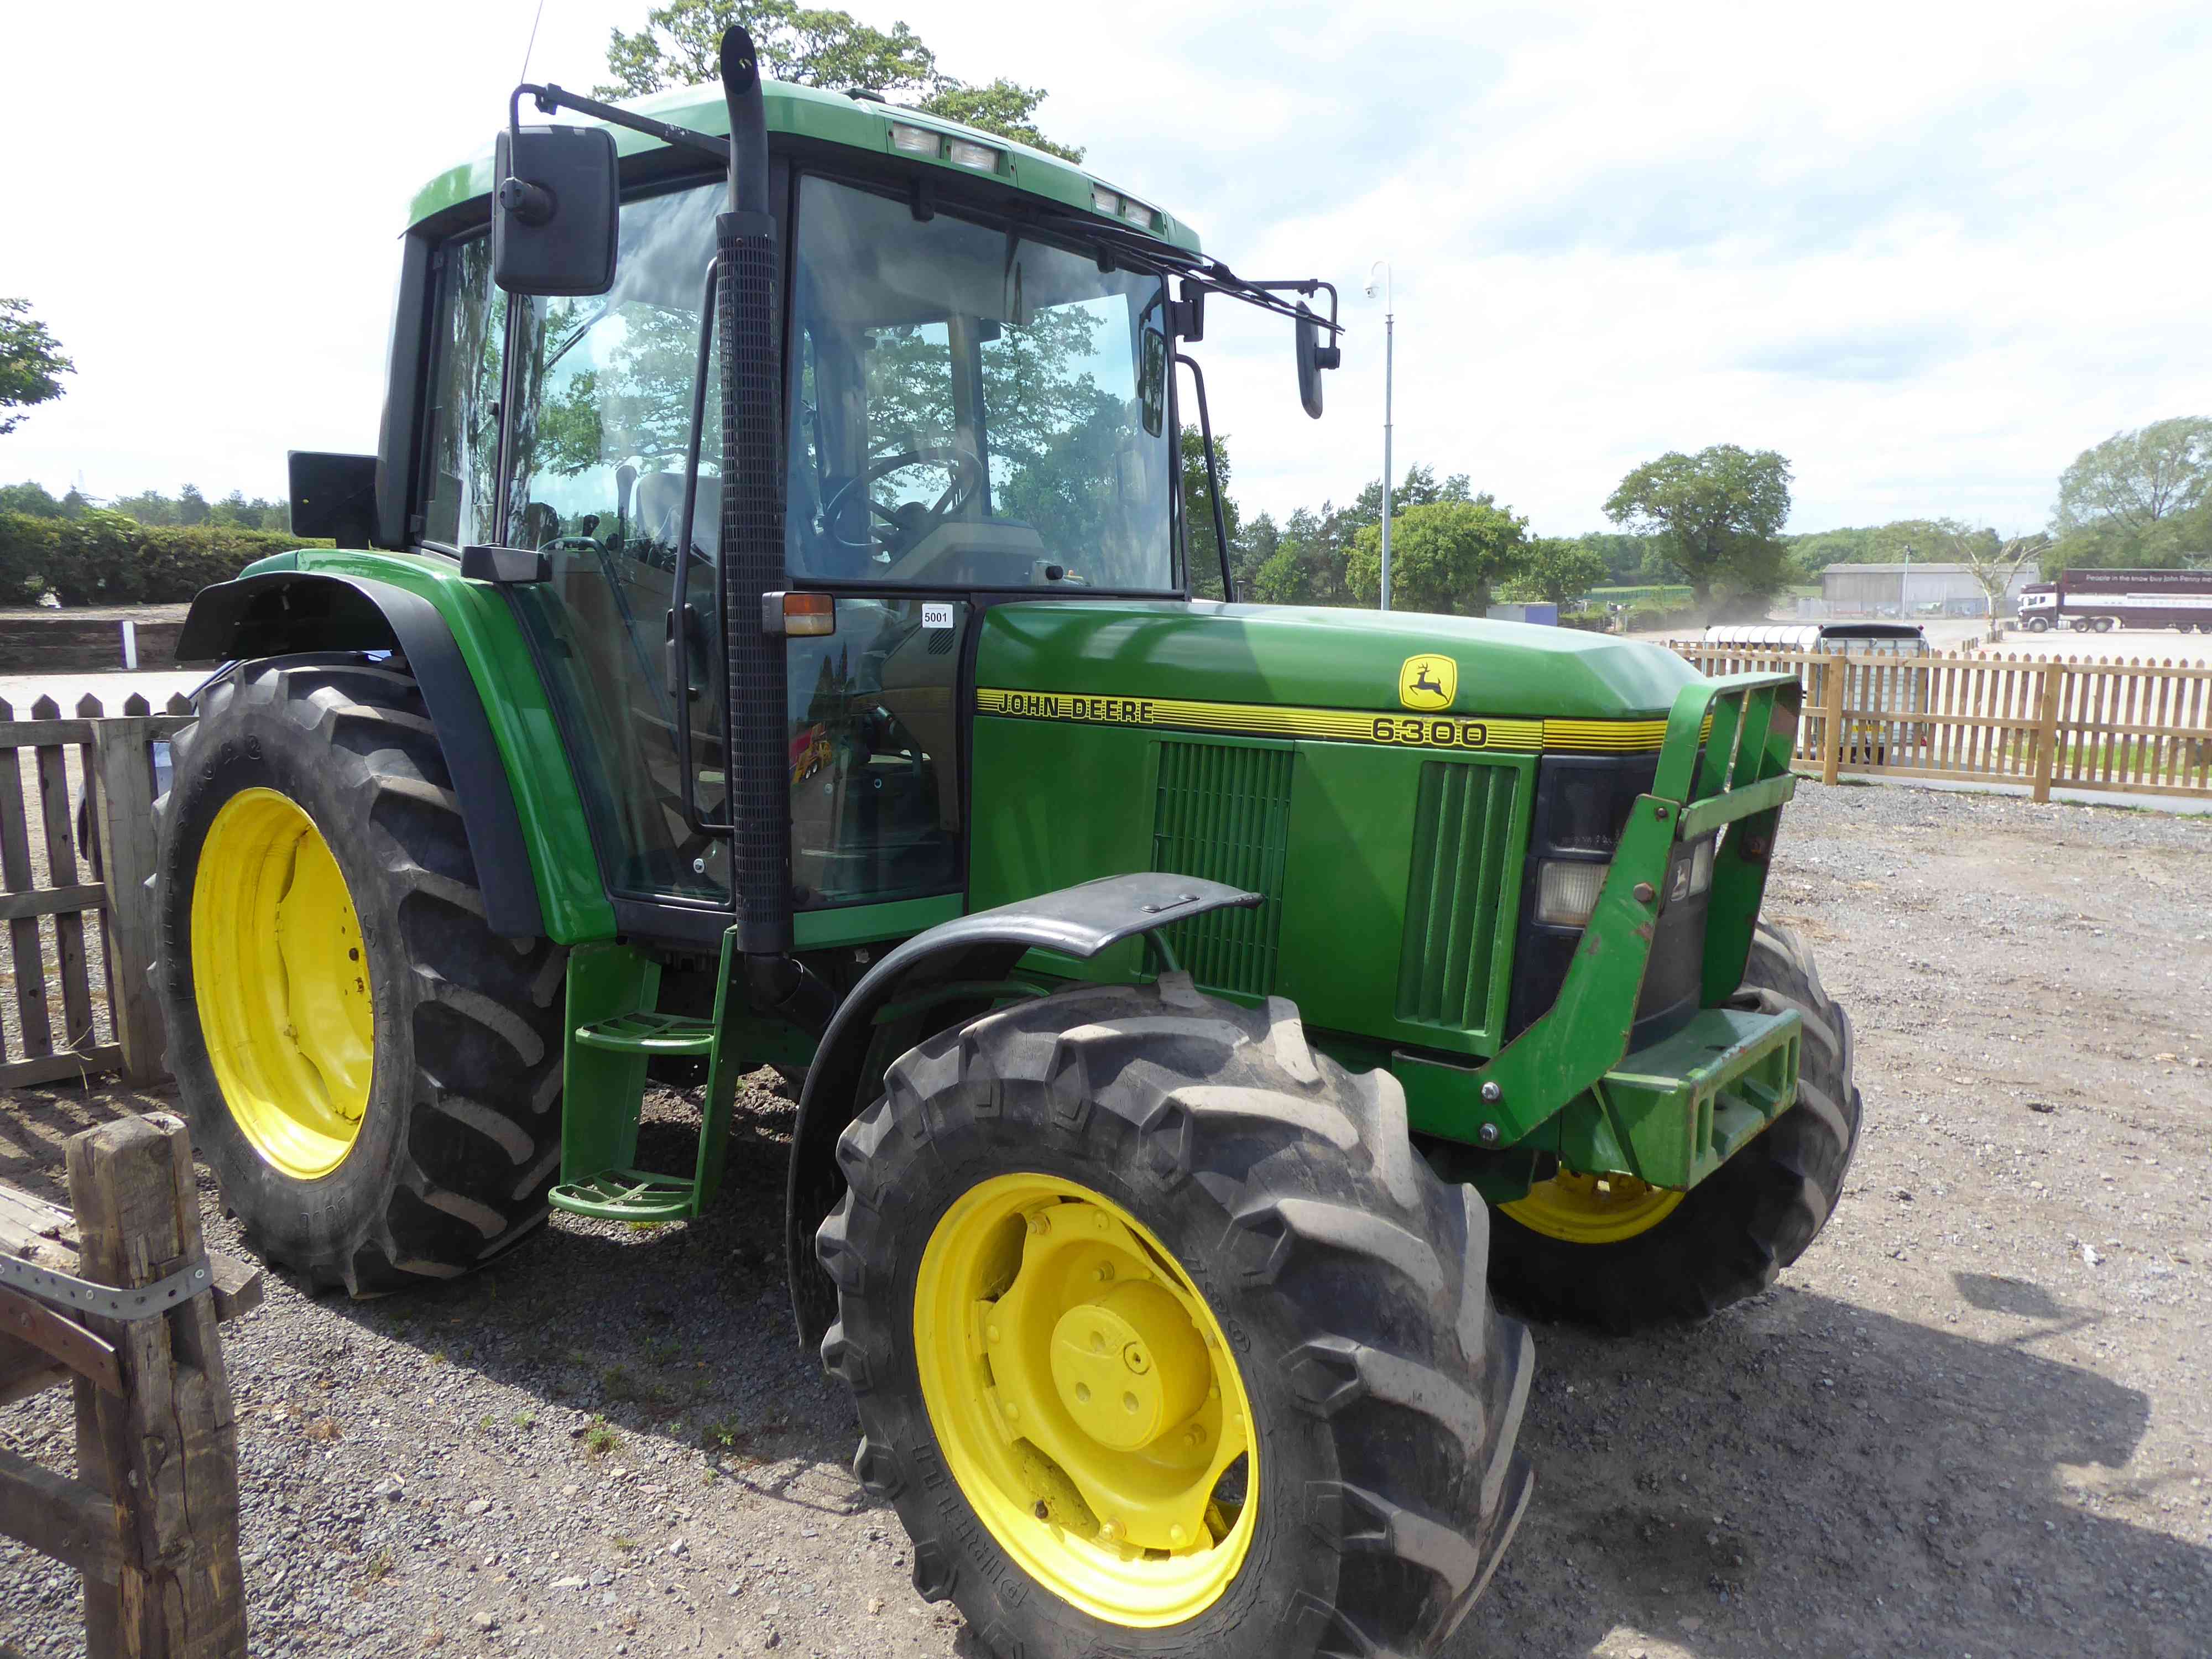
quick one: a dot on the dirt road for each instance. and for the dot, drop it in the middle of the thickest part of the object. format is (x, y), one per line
(1976, 1419)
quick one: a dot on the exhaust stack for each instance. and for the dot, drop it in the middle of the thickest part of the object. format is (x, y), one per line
(752, 558)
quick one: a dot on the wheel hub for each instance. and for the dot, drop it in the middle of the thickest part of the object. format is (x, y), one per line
(1129, 1366)
(280, 977)
(1087, 1401)
(1586, 1209)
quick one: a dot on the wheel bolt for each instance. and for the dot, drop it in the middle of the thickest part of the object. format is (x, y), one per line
(1011, 1409)
(991, 1332)
(1040, 1222)
(1176, 1534)
(1083, 1394)
(1103, 1271)
(1196, 1436)
(1109, 1530)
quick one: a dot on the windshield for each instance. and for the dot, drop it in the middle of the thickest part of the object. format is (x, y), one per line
(972, 408)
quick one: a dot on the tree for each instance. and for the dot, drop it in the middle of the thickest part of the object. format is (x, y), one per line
(31, 500)
(1444, 556)
(1719, 513)
(2134, 479)
(1286, 578)
(1198, 512)
(1259, 542)
(1994, 560)
(1558, 570)
(2139, 498)
(31, 362)
(680, 46)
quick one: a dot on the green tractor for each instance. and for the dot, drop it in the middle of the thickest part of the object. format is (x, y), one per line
(765, 637)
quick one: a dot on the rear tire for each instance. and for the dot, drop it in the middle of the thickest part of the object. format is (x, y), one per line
(1734, 1232)
(459, 1136)
(1386, 1392)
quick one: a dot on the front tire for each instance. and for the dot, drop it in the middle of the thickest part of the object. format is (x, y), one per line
(1334, 1287)
(372, 1074)
(1625, 1258)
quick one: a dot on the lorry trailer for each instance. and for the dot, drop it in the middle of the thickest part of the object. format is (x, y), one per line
(2101, 600)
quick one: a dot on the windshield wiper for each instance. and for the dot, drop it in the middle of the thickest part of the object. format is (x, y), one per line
(1138, 252)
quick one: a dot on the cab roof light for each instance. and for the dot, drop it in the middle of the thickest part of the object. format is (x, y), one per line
(914, 141)
(976, 158)
(1105, 202)
(1136, 213)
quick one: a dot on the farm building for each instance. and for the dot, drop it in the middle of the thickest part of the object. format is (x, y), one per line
(1917, 588)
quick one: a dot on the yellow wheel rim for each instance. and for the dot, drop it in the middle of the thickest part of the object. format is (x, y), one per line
(1086, 1399)
(282, 983)
(1592, 1209)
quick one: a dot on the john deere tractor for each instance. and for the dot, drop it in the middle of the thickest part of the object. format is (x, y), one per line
(766, 636)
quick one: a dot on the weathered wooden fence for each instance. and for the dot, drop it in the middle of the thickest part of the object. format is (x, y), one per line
(2041, 722)
(79, 1000)
(121, 1301)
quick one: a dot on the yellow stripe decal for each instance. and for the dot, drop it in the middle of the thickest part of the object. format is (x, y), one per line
(1441, 731)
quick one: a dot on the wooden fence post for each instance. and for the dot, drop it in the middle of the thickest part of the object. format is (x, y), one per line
(127, 847)
(1835, 671)
(167, 1446)
(2046, 745)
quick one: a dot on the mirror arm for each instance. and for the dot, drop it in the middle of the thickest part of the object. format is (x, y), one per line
(550, 98)
(1213, 482)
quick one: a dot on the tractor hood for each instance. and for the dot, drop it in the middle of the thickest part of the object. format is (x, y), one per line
(1208, 652)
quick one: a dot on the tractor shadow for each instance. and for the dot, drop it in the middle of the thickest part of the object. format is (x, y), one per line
(1802, 1475)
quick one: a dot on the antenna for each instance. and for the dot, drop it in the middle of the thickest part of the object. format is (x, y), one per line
(536, 17)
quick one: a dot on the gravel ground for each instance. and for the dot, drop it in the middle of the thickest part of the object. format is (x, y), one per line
(1974, 1419)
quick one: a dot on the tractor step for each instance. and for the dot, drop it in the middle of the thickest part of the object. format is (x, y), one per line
(649, 1033)
(628, 1195)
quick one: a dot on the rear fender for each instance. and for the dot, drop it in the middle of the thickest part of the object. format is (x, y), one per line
(284, 613)
(869, 1030)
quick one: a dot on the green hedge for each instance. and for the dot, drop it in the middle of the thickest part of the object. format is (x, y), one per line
(106, 558)
(1643, 618)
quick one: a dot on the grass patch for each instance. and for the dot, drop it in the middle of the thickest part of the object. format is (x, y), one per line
(379, 1566)
(625, 1545)
(600, 1439)
(524, 1420)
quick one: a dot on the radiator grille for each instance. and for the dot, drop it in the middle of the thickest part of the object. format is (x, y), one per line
(1225, 815)
(1456, 894)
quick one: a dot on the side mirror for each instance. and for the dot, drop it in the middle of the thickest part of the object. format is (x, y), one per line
(1313, 358)
(554, 215)
(1152, 378)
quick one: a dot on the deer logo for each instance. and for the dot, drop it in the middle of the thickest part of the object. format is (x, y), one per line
(1428, 682)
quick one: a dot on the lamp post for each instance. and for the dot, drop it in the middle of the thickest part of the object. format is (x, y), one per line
(1389, 299)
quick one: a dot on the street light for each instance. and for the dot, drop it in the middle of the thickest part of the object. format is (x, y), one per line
(1389, 299)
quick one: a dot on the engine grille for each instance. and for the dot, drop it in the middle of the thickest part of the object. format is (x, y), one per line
(1224, 814)
(1456, 895)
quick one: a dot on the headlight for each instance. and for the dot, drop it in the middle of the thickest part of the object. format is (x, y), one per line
(1566, 893)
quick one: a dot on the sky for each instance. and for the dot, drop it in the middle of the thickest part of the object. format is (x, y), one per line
(1930, 253)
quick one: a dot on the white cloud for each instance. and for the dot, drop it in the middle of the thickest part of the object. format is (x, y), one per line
(1930, 253)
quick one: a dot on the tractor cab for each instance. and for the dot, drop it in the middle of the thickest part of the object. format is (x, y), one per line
(977, 405)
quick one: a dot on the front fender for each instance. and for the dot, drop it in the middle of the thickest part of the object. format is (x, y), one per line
(860, 1042)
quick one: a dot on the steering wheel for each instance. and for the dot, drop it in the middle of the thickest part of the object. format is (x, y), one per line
(967, 479)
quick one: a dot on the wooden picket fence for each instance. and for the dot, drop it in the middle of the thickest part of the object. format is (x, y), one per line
(2043, 723)
(80, 1001)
